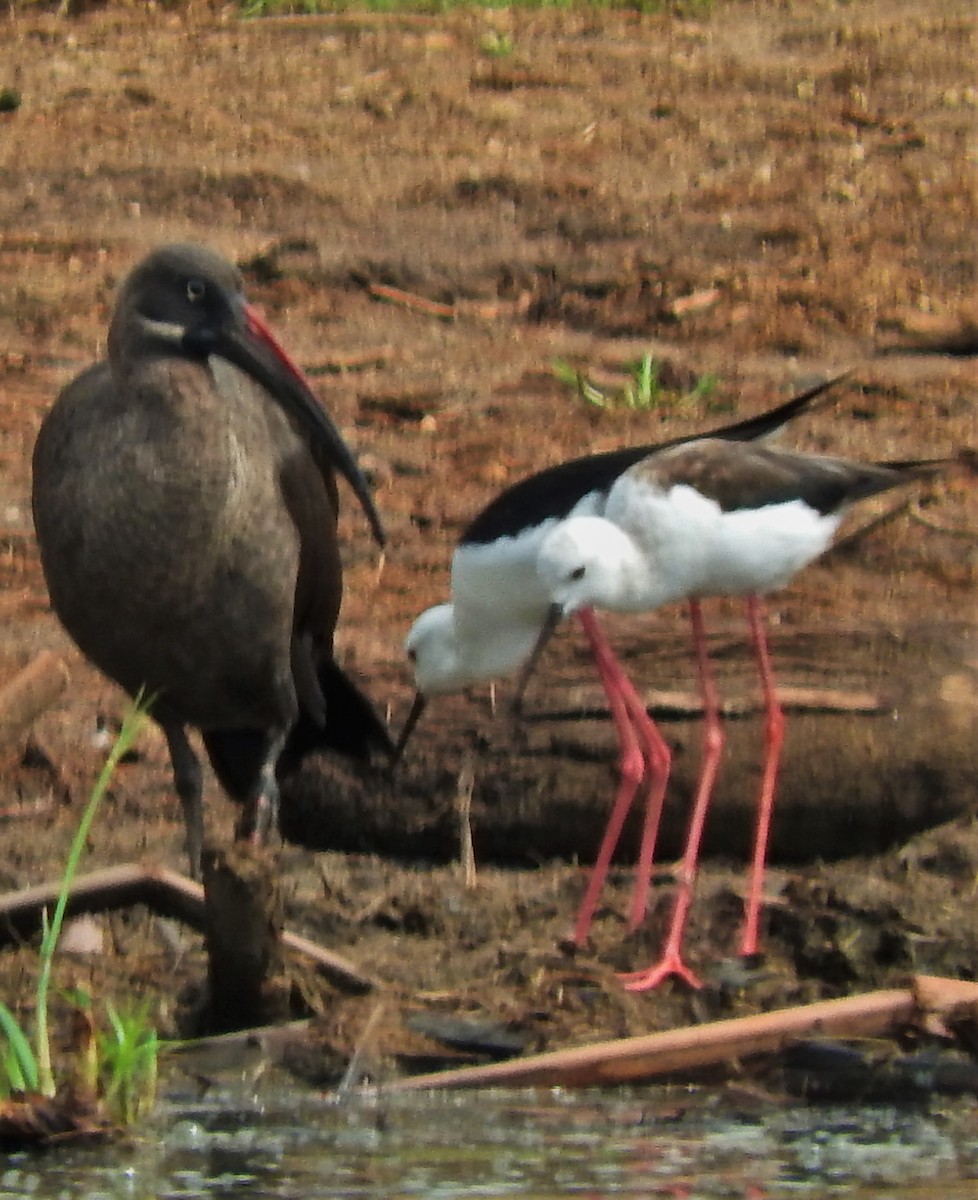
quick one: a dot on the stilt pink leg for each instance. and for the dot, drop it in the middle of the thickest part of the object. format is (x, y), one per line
(659, 763)
(671, 962)
(773, 738)
(643, 753)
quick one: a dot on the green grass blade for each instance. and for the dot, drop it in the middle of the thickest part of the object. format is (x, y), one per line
(11, 1077)
(118, 1028)
(20, 1066)
(129, 1053)
(123, 743)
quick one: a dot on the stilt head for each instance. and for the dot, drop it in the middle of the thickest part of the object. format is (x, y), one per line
(432, 648)
(188, 301)
(589, 562)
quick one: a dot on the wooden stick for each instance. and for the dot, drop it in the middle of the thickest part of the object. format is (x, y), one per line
(166, 893)
(943, 1001)
(23, 698)
(312, 21)
(26, 808)
(961, 531)
(674, 705)
(629, 1059)
(183, 898)
(334, 966)
(360, 1052)
(463, 806)
(95, 891)
(341, 361)
(928, 996)
(793, 699)
(433, 308)
(269, 1038)
(693, 303)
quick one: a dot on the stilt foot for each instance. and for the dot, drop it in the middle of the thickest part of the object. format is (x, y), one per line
(670, 964)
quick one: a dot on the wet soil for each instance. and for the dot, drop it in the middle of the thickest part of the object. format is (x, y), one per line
(763, 194)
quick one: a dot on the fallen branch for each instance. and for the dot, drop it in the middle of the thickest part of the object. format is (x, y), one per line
(626, 1060)
(961, 531)
(355, 1066)
(793, 699)
(954, 334)
(165, 893)
(675, 705)
(26, 808)
(463, 804)
(684, 306)
(432, 308)
(339, 362)
(354, 20)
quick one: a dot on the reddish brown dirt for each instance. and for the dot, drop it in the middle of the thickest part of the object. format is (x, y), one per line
(563, 182)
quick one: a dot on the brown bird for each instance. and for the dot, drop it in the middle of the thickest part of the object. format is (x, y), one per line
(185, 504)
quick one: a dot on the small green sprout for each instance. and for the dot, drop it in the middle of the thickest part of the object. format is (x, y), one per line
(642, 391)
(128, 1052)
(496, 44)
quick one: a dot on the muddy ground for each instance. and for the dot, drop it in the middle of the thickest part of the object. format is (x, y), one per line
(761, 194)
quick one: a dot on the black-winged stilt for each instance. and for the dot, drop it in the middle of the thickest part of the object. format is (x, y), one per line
(499, 602)
(710, 518)
(715, 514)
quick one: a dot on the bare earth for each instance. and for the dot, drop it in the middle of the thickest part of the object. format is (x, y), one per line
(770, 193)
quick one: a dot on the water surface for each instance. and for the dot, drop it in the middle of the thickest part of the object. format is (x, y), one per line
(287, 1142)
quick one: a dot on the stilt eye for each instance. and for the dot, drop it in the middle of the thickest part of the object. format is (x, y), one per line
(196, 290)
(412, 656)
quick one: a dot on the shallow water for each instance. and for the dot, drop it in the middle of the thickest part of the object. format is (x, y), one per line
(640, 1142)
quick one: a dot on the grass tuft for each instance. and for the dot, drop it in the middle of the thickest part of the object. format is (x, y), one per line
(119, 1064)
(643, 390)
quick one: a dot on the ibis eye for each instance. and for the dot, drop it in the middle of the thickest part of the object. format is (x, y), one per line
(196, 290)
(578, 573)
(412, 656)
